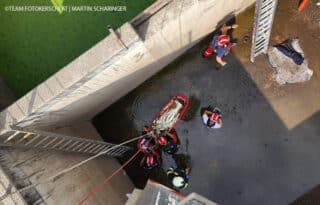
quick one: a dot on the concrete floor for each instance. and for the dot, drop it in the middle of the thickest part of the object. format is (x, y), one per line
(268, 150)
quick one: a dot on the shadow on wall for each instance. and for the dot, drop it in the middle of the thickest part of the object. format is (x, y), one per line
(141, 25)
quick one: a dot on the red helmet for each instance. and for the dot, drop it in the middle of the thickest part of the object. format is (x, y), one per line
(223, 40)
(214, 117)
(162, 140)
(150, 160)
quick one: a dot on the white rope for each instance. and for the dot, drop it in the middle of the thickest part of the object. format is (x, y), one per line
(49, 179)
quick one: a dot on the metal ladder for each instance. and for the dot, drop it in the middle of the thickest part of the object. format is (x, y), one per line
(52, 141)
(263, 20)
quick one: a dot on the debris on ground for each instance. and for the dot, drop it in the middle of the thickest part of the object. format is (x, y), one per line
(285, 69)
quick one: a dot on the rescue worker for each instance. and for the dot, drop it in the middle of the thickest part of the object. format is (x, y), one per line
(179, 177)
(221, 43)
(169, 142)
(150, 161)
(147, 143)
(212, 118)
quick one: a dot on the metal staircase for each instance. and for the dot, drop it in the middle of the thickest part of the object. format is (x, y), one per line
(263, 20)
(52, 141)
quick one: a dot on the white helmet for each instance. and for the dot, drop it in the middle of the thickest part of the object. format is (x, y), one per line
(178, 181)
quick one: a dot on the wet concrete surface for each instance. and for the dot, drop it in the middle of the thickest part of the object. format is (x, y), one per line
(255, 158)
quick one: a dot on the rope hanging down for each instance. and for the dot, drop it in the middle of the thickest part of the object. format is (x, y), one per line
(49, 179)
(106, 180)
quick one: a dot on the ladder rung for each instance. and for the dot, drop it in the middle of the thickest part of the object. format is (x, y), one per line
(84, 147)
(265, 45)
(106, 148)
(264, 22)
(259, 43)
(50, 143)
(66, 144)
(79, 145)
(267, 10)
(258, 51)
(263, 33)
(266, 6)
(93, 150)
(5, 135)
(264, 1)
(57, 144)
(124, 149)
(91, 146)
(263, 19)
(112, 152)
(260, 38)
(17, 138)
(70, 147)
(41, 141)
(265, 16)
(263, 30)
(118, 151)
(24, 137)
(11, 137)
(266, 34)
(262, 46)
(33, 139)
(100, 148)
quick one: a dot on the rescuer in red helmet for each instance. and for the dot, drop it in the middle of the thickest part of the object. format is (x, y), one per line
(221, 43)
(169, 142)
(212, 118)
(147, 143)
(150, 161)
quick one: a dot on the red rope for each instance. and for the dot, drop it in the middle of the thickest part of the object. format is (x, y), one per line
(106, 180)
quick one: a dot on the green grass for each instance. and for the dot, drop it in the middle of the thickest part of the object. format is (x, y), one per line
(34, 45)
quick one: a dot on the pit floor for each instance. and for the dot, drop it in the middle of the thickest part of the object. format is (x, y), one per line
(267, 152)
